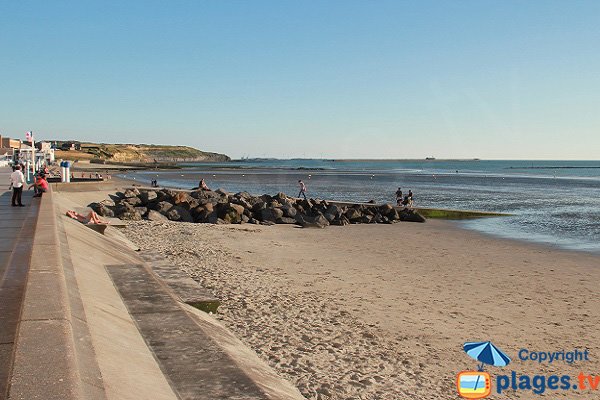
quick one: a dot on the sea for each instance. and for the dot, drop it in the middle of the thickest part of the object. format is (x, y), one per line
(552, 202)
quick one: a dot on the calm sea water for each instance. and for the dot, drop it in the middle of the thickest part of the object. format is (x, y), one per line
(553, 202)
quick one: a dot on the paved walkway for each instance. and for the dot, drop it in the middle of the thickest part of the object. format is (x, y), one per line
(17, 225)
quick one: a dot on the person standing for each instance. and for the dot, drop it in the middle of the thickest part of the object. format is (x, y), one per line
(399, 197)
(17, 180)
(302, 189)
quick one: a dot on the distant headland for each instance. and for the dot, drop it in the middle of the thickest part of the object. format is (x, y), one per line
(132, 153)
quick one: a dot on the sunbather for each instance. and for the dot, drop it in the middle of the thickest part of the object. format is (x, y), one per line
(91, 218)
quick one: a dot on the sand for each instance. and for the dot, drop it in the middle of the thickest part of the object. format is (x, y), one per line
(382, 311)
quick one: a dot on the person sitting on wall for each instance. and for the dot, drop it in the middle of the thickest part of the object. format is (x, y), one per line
(40, 185)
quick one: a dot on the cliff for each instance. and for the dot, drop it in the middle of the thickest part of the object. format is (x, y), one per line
(140, 153)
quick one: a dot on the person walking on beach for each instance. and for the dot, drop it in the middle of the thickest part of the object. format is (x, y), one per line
(17, 180)
(399, 197)
(302, 189)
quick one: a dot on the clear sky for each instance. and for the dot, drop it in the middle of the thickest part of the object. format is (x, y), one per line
(361, 79)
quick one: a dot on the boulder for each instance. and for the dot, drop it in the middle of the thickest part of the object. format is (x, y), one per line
(330, 217)
(286, 220)
(232, 213)
(411, 216)
(259, 206)
(289, 211)
(162, 207)
(141, 210)
(155, 216)
(102, 210)
(243, 195)
(271, 214)
(182, 197)
(129, 193)
(222, 192)
(130, 216)
(341, 221)
(134, 201)
(267, 223)
(280, 197)
(353, 214)
(148, 196)
(334, 209)
(318, 221)
(366, 219)
(177, 213)
(385, 209)
(122, 208)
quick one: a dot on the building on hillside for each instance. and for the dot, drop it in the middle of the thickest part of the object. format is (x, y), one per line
(8, 148)
(66, 146)
(10, 143)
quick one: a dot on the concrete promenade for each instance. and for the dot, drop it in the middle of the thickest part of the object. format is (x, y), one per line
(17, 225)
(83, 316)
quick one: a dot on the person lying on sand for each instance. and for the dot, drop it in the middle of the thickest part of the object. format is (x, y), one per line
(91, 218)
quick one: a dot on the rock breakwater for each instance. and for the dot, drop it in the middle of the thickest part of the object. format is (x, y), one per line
(220, 207)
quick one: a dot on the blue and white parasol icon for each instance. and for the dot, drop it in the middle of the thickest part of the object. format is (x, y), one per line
(486, 353)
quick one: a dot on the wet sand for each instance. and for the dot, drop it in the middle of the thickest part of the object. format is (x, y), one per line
(382, 311)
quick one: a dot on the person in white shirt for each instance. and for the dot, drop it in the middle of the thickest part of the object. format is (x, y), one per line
(17, 180)
(302, 189)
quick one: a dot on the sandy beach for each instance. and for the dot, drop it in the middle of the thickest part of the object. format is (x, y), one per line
(382, 311)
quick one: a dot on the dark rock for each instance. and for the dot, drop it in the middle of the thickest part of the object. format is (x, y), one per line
(286, 220)
(123, 208)
(141, 210)
(289, 211)
(232, 213)
(129, 193)
(385, 208)
(280, 197)
(334, 209)
(259, 206)
(366, 219)
(267, 223)
(177, 213)
(330, 217)
(353, 214)
(155, 216)
(271, 214)
(162, 207)
(243, 195)
(306, 221)
(222, 192)
(130, 216)
(182, 197)
(411, 216)
(148, 196)
(102, 209)
(134, 201)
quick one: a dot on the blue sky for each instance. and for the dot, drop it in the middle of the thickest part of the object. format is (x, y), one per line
(361, 79)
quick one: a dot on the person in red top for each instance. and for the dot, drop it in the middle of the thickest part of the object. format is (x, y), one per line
(40, 185)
